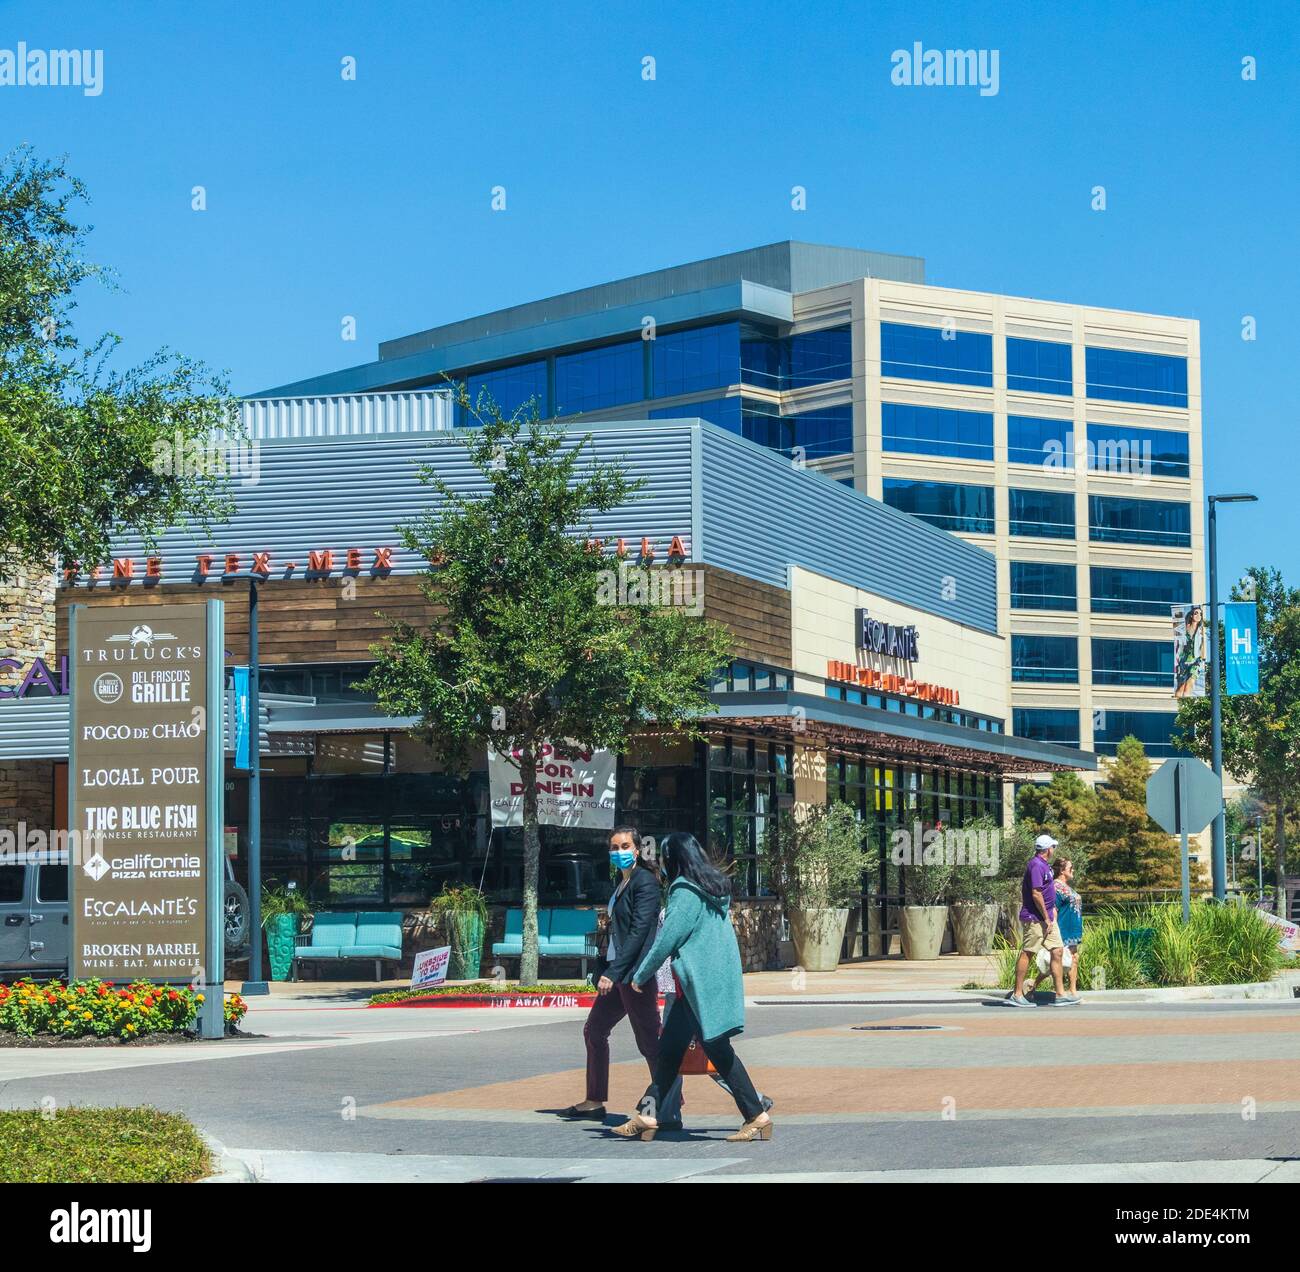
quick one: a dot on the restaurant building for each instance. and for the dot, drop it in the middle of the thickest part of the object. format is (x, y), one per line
(868, 666)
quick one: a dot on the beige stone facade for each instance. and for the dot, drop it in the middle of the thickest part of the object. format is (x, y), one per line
(27, 621)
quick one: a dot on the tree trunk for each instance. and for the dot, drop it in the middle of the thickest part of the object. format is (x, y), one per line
(1279, 840)
(532, 858)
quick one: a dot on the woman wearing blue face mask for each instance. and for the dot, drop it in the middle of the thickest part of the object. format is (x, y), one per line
(633, 924)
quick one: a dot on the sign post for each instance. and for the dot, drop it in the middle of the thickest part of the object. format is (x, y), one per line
(1183, 797)
(145, 757)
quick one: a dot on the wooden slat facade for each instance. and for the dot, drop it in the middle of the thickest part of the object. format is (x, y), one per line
(312, 621)
(758, 615)
(302, 621)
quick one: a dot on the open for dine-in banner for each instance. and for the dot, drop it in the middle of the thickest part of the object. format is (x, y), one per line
(574, 788)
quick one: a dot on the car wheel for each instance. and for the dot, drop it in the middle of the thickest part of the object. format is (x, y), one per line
(235, 918)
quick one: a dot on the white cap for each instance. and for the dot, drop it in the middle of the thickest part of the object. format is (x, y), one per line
(1044, 842)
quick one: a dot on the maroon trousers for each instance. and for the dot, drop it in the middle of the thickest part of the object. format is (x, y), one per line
(608, 1009)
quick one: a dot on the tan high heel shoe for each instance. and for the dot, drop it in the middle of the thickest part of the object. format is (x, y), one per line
(751, 1131)
(636, 1127)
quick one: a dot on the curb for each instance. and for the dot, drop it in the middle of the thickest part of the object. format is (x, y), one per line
(509, 1001)
(1285, 988)
(230, 1170)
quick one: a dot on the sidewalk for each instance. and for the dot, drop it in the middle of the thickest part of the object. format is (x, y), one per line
(875, 976)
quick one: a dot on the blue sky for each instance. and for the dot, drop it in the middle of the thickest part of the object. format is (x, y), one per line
(328, 198)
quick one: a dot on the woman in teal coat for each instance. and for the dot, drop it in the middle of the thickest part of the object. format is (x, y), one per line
(697, 935)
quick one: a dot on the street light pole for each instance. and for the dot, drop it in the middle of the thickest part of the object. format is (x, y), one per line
(1218, 864)
(1259, 852)
(1216, 734)
(255, 983)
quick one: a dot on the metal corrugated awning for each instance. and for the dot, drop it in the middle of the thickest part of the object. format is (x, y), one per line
(893, 735)
(337, 717)
(37, 728)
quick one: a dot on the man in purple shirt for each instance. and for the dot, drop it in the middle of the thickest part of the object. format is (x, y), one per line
(1038, 919)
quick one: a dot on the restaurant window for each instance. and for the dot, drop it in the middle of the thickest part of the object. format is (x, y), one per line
(746, 778)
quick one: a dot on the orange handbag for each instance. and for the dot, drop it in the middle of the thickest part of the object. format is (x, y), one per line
(695, 1061)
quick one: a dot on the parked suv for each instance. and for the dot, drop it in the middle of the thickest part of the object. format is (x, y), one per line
(33, 919)
(34, 932)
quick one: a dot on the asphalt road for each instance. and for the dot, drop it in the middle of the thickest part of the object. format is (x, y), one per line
(973, 1087)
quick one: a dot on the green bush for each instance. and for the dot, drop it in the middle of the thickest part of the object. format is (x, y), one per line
(100, 1146)
(817, 861)
(1219, 945)
(103, 1009)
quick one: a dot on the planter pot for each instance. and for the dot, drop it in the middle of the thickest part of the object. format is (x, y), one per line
(817, 936)
(974, 925)
(281, 938)
(922, 928)
(466, 947)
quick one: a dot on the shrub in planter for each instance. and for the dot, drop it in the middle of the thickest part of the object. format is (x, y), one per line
(924, 915)
(815, 864)
(464, 913)
(283, 910)
(975, 892)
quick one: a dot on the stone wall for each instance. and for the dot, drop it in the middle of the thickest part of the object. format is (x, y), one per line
(27, 618)
(758, 930)
(27, 794)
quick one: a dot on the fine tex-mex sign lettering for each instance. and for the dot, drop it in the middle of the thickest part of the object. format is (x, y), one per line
(315, 563)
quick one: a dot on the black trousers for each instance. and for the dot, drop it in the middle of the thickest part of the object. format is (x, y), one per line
(680, 1027)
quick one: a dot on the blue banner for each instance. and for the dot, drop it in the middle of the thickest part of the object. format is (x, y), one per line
(1241, 647)
(240, 683)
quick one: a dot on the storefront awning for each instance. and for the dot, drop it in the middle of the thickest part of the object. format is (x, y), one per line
(890, 735)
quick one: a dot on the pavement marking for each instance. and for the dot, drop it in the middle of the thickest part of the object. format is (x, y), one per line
(1078, 1024)
(1244, 1171)
(283, 1167)
(729, 1121)
(1210, 1085)
(19, 1063)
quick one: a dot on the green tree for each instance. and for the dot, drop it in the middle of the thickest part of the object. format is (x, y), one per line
(1261, 731)
(1126, 848)
(80, 441)
(530, 650)
(1064, 807)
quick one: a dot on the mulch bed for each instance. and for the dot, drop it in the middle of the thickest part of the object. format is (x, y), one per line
(149, 1040)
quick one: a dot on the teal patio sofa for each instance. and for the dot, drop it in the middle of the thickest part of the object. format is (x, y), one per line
(340, 934)
(560, 934)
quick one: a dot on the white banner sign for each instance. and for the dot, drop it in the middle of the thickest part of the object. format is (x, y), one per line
(574, 788)
(430, 967)
(1288, 937)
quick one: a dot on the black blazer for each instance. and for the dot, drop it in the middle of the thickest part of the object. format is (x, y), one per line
(633, 924)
